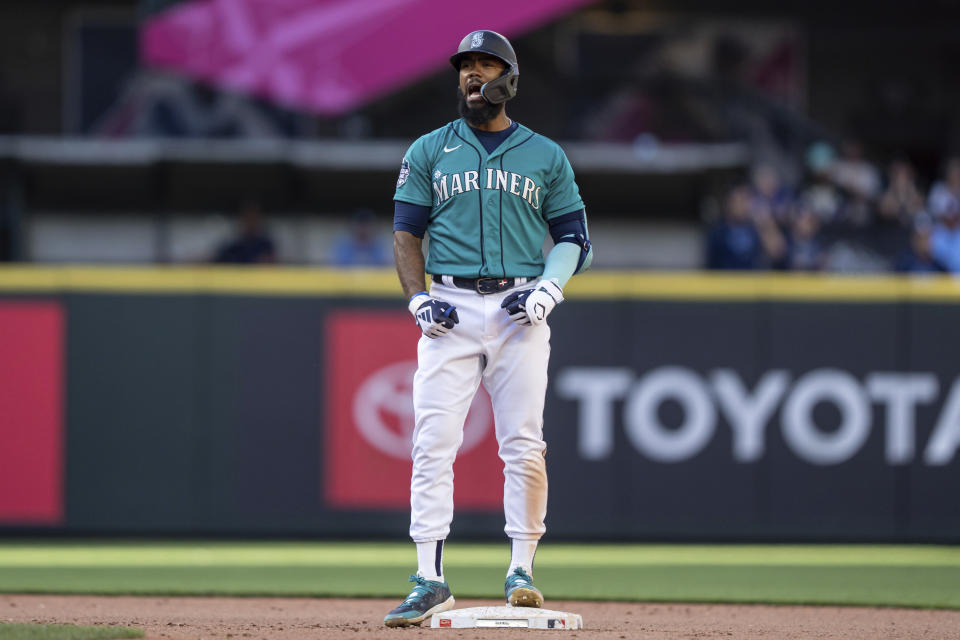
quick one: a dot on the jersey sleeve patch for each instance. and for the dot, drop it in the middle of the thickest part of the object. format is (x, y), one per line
(404, 173)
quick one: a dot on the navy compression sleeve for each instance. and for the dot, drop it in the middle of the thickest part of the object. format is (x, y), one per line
(568, 224)
(571, 228)
(410, 217)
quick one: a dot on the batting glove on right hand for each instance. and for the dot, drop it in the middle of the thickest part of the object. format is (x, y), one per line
(532, 306)
(434, 317)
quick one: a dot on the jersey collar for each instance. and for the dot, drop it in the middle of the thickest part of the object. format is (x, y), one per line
(465, 131)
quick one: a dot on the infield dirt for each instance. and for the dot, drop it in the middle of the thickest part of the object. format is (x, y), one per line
(323, 619)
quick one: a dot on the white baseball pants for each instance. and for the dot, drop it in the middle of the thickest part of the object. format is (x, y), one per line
(511, 361)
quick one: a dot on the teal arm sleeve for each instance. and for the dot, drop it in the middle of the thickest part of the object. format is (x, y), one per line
(562, 262)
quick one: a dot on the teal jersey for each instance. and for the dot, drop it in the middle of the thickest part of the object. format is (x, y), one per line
(489, 212)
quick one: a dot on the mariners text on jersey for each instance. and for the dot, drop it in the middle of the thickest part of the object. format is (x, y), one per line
(508, 181)
(489, 212)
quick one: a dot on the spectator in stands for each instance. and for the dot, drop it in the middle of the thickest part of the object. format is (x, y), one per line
(770, 195)
(360, 246)
(860, 182)
(945, 195)
(853, 172)
(918, 258)
(252, 245)
(901, 203)
(820, 194)
(805, 250)
(741, 239)
(945, 238)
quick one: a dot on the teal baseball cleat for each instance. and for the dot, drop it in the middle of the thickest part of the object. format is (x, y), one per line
(520, 591)
(427, 598)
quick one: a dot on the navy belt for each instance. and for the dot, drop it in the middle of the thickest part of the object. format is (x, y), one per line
(482, 286)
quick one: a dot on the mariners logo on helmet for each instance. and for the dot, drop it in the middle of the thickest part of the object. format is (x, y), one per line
(477, 40)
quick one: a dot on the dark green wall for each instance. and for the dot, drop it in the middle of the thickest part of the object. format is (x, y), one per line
(203, 414)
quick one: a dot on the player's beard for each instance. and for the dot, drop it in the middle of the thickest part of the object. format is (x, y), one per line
(477, 116)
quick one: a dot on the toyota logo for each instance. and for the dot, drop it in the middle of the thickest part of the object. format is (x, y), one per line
(383, 412)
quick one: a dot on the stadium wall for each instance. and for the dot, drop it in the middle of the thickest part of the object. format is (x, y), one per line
(276, 402)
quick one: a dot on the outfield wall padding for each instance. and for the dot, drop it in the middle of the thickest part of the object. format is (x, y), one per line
(696, 407)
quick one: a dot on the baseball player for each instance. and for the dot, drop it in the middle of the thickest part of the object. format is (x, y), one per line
(486, 190)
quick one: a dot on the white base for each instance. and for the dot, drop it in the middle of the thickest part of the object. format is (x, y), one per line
(506, 617)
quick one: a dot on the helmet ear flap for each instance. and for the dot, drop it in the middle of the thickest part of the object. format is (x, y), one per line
(502, 89)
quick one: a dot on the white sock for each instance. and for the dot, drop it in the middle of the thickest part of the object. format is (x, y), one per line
(430, 560)
(521, 555)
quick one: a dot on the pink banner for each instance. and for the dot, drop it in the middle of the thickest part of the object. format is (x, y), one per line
(326, 56)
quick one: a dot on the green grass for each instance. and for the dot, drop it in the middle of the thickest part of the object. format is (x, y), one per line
(11, 631)
(873, 575)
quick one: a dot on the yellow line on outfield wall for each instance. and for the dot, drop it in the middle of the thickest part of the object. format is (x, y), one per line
(244, 281)
(762, 286)
(597, 285)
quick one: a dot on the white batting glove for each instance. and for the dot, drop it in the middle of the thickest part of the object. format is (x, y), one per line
(434, 317)
(532, 306)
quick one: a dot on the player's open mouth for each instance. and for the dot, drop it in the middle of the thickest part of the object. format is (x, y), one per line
(473, 91)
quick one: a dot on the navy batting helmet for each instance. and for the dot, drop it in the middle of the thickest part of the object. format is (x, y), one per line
(491, 42)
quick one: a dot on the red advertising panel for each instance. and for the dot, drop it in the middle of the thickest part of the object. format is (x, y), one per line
(31, 413)
(371, 359)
